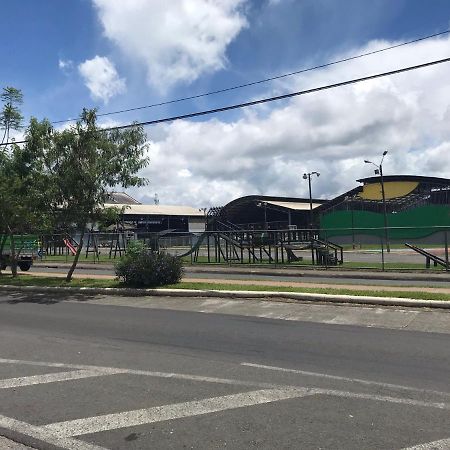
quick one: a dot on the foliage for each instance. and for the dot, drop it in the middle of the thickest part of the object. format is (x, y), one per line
(10, 115)
(110, 216)
(84, 163)
(144, 268)
(24, 192)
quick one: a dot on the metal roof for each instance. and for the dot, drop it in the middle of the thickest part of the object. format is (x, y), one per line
(297, 206)
(123, 198)
(417, 178)
(157, 210)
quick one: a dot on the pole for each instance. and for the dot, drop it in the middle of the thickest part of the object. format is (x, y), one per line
(265, 215)
(310, 203)
(386, 233)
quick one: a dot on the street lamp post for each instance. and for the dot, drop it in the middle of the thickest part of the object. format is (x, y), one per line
(307, 176)
(205, 219)
(379, 171)
(260, 205)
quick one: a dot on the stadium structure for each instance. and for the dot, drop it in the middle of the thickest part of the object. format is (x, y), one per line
(414, 210)
(415, 206)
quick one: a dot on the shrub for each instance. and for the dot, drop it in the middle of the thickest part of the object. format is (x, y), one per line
(141, 267)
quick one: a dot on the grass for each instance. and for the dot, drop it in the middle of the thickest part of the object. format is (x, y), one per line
(376, 265)
(203, 260)
(28, 280)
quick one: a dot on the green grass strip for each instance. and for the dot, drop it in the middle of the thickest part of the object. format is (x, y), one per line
(28, 280)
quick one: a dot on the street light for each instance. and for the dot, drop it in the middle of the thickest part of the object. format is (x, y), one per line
(260, 205)
(379, 171)
(204, 210)
(307, 176)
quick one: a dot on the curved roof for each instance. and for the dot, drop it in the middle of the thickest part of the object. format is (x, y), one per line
(283, 202)
(416, 178)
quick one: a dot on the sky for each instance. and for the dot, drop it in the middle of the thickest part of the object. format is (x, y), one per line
(117, 54)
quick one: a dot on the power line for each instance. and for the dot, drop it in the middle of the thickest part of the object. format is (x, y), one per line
(279, 97)
(265, 80)
(270, 99)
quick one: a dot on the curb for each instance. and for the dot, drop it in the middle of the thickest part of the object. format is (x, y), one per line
(262, 295)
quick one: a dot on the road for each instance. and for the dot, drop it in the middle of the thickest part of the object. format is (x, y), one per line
(91, 373)
(358, 280)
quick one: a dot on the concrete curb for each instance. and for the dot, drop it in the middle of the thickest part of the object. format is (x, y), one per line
(263, 295)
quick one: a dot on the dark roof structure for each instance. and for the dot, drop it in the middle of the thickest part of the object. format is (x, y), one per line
(418, 190)
(256, 209)
(416, 178)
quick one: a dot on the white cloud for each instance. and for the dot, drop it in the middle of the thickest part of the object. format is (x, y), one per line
(65, 65)
(101, 78)
(266, 151)
(177, 40)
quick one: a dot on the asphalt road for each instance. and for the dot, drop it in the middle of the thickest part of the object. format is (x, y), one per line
(87, 375)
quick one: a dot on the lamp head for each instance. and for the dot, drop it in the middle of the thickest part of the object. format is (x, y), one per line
(385, 153)
(305, 176)
(367, 161)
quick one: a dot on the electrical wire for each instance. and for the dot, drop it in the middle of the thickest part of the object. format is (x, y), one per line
(269, 99)
(265, 80)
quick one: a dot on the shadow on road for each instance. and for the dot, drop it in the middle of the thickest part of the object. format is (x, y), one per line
(45, 298)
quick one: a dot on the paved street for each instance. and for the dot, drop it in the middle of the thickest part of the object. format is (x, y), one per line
(91, 373)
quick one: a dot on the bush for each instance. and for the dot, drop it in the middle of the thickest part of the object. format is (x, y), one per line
(141, 267)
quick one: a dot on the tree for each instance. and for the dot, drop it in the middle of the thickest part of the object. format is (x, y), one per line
(86, 163)
(25, 194)
(24, 182)
(10, 115)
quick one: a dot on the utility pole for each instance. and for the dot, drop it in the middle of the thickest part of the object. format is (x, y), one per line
(379, 171)
(307, 176)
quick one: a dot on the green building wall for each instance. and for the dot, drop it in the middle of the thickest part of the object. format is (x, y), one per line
(346, 223)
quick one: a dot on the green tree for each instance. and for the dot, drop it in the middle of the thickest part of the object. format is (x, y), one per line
(25, 194)
(24, 182)
(86, 163)
(10, 115)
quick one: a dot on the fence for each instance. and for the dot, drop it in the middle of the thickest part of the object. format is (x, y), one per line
(400, 248)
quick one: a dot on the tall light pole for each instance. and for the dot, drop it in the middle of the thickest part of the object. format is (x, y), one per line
(205, 220)
(379, 171)
(263, 205)
(307, 176)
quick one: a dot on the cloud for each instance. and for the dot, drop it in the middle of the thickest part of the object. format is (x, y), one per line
(101, 78)
(266, 151)
(176, 40)
(66, 65)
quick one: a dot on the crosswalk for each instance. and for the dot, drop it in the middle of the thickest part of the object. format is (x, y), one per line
(70, 433)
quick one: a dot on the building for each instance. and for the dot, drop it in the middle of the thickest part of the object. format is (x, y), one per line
(263, 212)
(415, 207)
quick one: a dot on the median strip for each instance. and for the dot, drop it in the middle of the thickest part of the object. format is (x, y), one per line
(229, 290)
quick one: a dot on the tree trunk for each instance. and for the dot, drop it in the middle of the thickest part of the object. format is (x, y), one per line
(12, 256)
(2, 246)
(77, 256)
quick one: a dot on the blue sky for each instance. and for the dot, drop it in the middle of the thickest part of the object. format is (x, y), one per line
(115, 54)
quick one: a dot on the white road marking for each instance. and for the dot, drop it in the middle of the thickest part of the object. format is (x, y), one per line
(44, 435)
(444, 444)
(350, 380)
(177, 376)
(382, 398)
(53, 378)
(127, 419)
